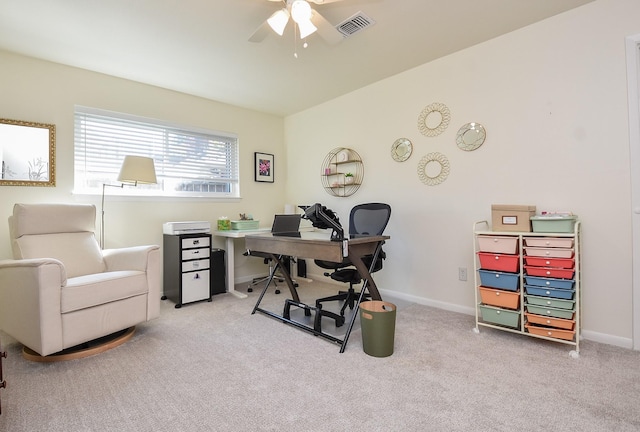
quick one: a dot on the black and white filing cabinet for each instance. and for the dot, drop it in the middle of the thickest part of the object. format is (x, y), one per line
(187, 268)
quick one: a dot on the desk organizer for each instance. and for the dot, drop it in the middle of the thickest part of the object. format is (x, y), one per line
(245, 225)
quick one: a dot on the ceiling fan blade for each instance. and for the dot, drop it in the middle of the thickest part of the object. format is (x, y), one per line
(325, 29)
(260, 33)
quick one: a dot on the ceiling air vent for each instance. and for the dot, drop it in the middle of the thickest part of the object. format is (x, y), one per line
(355, 24)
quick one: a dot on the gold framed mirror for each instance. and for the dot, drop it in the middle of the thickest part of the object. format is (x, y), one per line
(27, 152)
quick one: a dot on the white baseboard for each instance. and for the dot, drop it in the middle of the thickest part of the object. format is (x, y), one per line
(388, 294)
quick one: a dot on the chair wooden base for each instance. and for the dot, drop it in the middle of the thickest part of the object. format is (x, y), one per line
(87, 349)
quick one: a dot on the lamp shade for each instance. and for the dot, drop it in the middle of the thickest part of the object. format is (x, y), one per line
(137, 169)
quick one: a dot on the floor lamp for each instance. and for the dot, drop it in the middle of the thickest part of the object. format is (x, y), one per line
(134, 170)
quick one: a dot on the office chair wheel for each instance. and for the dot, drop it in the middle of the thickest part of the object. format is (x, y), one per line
(249, 289)
(277, 291)
(340, 322)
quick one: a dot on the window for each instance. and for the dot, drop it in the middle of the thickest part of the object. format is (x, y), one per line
(189, 162)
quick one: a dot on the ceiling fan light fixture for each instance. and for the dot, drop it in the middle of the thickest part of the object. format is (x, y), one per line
(301, 11)
(306, 28)
(278, 21)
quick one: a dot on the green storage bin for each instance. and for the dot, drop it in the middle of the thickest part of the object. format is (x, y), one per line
(550, 311)
(378, 324)
(503, 317)
(553, 224)
(550, 301)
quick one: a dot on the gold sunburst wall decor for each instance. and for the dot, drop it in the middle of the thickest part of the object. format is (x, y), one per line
(433, 169)
(434, 119)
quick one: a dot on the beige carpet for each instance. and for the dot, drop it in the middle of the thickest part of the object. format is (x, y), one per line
(215, 367)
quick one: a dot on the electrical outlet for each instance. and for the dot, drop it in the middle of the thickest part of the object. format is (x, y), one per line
(462, 273)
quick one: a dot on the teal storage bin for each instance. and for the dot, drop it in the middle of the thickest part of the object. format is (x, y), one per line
(549, 292)
(549, 282)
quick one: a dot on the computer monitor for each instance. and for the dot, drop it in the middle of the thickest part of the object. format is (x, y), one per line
(324, 218)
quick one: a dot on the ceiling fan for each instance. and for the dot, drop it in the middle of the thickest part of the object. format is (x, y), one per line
(307, 20)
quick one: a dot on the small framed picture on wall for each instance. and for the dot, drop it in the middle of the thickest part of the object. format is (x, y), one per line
(263, 167)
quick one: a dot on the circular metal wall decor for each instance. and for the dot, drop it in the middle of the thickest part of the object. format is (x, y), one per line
(433, 169)
(401, 149)
(434, 119)
(471, 136)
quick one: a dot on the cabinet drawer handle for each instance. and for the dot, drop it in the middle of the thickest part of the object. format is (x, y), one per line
(497, 257)
(497, 293)
(196, 252)
(196, 242)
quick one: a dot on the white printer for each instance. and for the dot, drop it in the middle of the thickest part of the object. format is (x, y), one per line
(189, 227)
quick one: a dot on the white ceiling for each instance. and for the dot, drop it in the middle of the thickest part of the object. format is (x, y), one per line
(201, 47)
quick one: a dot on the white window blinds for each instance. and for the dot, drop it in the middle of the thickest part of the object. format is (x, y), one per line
(188, 162)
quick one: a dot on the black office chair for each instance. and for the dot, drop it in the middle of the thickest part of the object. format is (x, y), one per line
(272, 269)
(288, 224)
(365, 219)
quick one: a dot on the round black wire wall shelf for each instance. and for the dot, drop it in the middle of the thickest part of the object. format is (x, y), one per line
(342, 172)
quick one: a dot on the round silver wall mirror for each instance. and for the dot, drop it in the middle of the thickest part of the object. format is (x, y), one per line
(471, 136)
(401, 149)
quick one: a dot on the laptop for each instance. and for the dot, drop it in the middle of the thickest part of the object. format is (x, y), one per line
(286, 225)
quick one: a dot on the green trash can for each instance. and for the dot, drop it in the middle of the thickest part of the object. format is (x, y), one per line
(378, 323)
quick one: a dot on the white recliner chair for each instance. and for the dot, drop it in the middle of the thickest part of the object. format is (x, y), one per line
(61, 290)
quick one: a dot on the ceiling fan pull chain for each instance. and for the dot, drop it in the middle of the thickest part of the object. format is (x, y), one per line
(295, 40)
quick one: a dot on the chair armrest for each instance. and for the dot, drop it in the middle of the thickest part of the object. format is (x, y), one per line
(30, 302)
(10, 265)
(130, 258)
(141, 258)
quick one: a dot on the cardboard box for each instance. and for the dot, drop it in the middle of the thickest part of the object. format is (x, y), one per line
(506, 217)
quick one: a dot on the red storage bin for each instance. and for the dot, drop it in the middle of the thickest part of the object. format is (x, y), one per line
(568, 263)
(500, 262)
(549, 272)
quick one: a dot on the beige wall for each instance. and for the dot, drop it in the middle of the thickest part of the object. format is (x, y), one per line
(553, 98)
(39, 91)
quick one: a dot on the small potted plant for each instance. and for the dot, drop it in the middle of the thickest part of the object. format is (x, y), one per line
(348, 178)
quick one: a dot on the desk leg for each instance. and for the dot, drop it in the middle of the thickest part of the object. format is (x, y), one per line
(287, 277)
(231, 277)
(355, 255)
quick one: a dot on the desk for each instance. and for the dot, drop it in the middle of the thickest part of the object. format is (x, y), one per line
(230, 236)
(317, 245)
